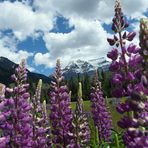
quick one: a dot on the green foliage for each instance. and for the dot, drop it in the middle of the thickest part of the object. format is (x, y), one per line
(116, 136)
(86, 81)
(73, 87)
(117, 141)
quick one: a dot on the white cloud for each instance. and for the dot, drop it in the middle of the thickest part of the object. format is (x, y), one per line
(23, 20)
(85, 9)
(87, 41)
(44, 59)
(92, 9)
(8, 49)
(12, 55)
(135, 8)
(32, 69)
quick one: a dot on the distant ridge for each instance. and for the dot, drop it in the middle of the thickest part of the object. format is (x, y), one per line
(7, 68)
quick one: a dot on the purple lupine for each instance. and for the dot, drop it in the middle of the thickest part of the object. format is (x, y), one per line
(101, 115)
(123, 70)
(61, 113)
(46, 124)
(140, 132)
(4, 140)
(2, 91)
(41, 129)
(16, 124)
(128, 79)
(81, 131)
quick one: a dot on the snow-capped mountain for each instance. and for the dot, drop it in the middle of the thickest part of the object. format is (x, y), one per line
(82, 66)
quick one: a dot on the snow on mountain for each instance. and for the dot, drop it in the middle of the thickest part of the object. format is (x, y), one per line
(81, 66)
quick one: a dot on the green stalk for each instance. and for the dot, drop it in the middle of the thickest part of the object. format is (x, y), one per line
(117, 141)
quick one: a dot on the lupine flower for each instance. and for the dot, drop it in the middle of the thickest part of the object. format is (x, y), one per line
(4, 140)
(2, 90)
(101, 116)
(41, 129)
(144, 40)
(144, 52)
(123, 70)
(16, 124)
(81, 131)
(113, 54)
(61, 113)
(130, 81)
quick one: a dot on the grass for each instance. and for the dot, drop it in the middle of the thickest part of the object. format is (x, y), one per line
(112, 108)
(115, 118)
(87, 105)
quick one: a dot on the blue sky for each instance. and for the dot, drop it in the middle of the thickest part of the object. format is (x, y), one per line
(43, 30)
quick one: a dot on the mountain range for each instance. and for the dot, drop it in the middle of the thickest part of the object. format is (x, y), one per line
(7, 68)
(82, 66)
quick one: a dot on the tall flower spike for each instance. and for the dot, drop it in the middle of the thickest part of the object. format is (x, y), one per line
(17, 124)
(143, 38)
(101, 116)
(117, 4)
(144, 47)
(61, 113)
(46, 124)
(2, 90)
(123, 70)
(41, 130)
(4, 140)
(81, 129)
(129, 78)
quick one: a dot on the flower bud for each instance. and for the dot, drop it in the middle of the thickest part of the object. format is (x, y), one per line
(113, 54)
(111, 41)
(131, 36)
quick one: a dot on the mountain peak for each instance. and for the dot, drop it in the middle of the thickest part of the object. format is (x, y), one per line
(82, 66)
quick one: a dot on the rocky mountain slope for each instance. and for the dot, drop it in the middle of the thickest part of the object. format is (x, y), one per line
(82, 66)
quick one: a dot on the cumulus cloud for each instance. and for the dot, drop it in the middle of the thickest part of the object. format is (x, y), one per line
(32, 69)
(88, 41)
(22, 20)
(8, 49)
(96, 9)
(15, 56)
(40, 59)
(135, 8)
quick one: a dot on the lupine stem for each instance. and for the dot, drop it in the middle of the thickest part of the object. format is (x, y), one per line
(117, 141)
(123, 54)
(129, 79)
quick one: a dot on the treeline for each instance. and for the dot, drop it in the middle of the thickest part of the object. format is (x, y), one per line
(73, 83)
(87, 81)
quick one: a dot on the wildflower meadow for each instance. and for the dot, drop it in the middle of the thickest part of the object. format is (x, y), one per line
(28, 122)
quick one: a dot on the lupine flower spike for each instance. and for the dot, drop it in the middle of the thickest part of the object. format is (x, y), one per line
(101, 115)
(129, 79)
(4, 140)
(61, 113)
(16, 111)
(41, 130)
(81, 129)
(2, 90)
